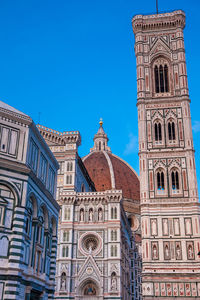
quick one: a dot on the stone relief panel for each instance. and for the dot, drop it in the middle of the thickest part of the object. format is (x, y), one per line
(165, 226)
(188, 226)
(176, 227)
(154, 227)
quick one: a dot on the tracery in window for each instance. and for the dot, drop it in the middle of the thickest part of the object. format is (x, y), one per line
(161, 75)
(175, 180)
(66, 213)
(160, 180)
(66, 236)
(113, 235)
(69, 166)
(113, 250)
(113, 212)
(158, 131)
(171, 131)
(69, 179)
(65, 251)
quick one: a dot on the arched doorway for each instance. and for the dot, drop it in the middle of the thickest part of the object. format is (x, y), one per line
(90, 291)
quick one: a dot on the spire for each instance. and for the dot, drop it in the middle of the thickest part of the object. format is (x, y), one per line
(100, 140)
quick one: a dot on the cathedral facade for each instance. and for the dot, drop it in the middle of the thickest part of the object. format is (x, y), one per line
(96, 242)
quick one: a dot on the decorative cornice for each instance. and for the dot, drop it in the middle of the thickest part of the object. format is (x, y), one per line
(17, 117)
(158, 21)
(95, 197)
(60, 138)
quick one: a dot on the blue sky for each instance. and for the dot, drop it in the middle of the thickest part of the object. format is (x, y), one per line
(73, 62)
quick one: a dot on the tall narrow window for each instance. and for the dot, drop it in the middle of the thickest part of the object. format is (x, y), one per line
(114, 213)
(158, 132)
(156, 79)
(66, 213)
(171, 131)
(161, 78)
(65, 251)
(160, 180)
(175, 180)
(66, 236)
(166, 78)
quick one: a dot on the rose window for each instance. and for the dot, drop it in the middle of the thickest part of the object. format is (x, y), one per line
(90, 243)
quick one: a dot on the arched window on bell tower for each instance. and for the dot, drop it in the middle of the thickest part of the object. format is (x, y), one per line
(175, 180)
(158, 131)
(171, 131)
(160, 181)
(161, 76)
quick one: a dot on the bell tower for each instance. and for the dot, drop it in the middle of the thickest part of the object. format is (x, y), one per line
(170, 213)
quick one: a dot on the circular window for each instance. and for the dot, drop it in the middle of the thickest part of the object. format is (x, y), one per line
(90, 243)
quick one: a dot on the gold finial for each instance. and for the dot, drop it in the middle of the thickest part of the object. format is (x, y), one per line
(101, 122)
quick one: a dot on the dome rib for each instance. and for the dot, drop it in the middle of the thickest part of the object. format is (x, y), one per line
(112, 174)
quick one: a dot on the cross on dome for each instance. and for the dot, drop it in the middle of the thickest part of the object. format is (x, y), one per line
(100, 139)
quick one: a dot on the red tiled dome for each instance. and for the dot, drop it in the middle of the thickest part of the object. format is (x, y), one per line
(108, 171)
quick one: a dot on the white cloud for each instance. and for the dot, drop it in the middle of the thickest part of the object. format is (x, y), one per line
(196, 126)
(132, 146)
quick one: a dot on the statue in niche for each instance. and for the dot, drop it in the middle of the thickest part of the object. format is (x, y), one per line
(81, 215)
(90, 214)
(63, 284)
(113, 282)
(167, 254)
(100, 214)
(178, 251)
(190, 252)
(155, 251)
(154, 226)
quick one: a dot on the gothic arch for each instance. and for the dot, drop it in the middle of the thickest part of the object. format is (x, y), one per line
(161, 72)
(158, 131)
(89, 285)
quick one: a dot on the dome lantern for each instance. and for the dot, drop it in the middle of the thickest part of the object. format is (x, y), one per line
(100, 140)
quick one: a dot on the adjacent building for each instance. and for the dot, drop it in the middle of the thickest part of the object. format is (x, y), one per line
(28, 209)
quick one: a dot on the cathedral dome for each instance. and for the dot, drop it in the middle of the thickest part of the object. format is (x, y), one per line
(108, 171)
